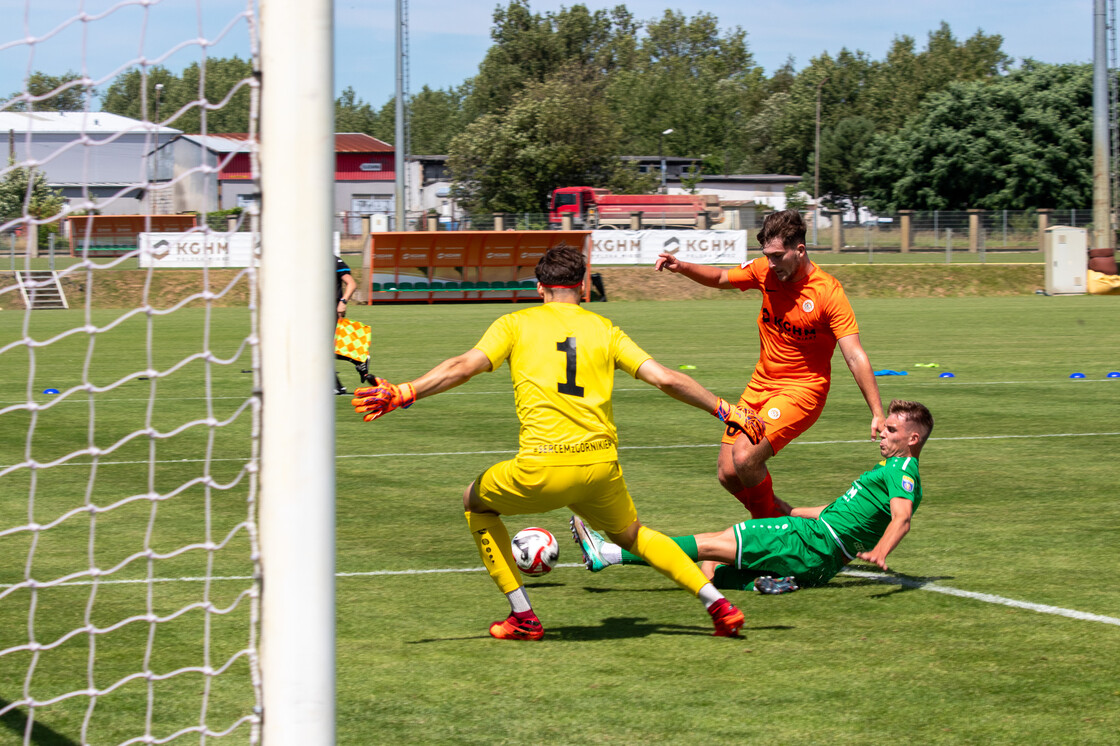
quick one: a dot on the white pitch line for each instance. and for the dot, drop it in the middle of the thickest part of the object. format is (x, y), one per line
(959, 382)
(1082, 616)
(621, 448)
(985, 597)
(715, 445)
(941, 382)
(78, 399)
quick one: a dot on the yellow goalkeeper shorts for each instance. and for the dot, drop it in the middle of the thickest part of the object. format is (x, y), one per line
(597, 492)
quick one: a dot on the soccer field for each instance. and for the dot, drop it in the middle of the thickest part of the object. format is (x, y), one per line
(1000, 621)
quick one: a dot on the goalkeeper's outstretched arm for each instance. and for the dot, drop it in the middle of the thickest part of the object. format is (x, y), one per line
(677, 385)
(688, 390)
(383, 397)
(452, 372)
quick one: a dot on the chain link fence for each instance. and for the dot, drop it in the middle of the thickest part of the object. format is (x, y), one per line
(944, 233)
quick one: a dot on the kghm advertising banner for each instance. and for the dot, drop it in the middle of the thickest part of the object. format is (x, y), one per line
(642, 247)
(198, 249)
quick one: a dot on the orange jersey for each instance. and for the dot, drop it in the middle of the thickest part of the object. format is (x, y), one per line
(798, 326)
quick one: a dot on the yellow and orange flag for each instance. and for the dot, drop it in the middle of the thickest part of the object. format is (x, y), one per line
(352, 340)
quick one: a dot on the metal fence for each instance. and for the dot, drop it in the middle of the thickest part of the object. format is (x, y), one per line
(935, 231)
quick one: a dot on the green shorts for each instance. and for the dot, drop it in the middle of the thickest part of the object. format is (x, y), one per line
(801, 547)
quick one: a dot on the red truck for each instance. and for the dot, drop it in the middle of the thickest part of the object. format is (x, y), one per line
(598, 208)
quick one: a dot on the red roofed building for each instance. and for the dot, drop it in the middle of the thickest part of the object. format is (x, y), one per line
(214, 172)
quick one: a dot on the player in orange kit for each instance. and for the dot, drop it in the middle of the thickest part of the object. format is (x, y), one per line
(805, 315)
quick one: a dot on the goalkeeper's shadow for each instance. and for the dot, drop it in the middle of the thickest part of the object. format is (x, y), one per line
(624, 628)
(614, 628)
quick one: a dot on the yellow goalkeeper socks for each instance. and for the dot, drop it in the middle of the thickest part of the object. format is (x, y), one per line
(494, 547)
(661, 553)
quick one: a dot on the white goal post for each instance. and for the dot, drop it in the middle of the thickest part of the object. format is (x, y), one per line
(297, 454)
(167, 521)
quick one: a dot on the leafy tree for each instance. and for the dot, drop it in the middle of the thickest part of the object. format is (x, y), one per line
(782, 130)
(556, 133)
(73, 97)
(901, 81)
(352, 114)
(532, 47)
(796, 197)
(775, 146)
(1017, 142)
(207, 86)
(133, 94)
(435, 117)
(25, 191)
(690, 77)
(690, 180)
(194, 101)
(843, 149)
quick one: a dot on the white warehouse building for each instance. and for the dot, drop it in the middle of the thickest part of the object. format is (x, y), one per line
(98, 160)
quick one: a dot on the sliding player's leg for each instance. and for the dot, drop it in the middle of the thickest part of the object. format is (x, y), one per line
(762, 555)
(598, 553)
(612, 510)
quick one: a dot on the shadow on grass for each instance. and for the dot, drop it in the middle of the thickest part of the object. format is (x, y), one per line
(901, 581)
(667, 589)
(619, 628)
(15, 720)
(612, 628)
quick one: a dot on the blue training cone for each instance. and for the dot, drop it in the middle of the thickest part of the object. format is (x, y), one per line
(1113, 374)
(946, 374)
(1076, 375)
(50, 391)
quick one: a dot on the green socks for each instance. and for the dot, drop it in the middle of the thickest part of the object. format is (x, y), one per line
(686, 543)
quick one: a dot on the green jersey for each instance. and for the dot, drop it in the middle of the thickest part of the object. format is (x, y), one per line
(858, 518)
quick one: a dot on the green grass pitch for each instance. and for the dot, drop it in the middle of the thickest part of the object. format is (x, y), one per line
(1020, 485)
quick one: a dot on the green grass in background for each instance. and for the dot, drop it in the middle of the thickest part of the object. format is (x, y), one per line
(1019, 481)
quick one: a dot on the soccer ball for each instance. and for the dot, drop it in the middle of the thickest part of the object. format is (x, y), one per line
(535, 550)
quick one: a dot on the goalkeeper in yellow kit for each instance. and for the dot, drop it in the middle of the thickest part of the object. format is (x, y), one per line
(562, 360)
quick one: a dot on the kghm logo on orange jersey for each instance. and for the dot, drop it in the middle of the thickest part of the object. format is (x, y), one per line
(786, 328)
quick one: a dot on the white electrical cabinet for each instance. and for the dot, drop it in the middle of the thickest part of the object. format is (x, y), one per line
(1067, 260)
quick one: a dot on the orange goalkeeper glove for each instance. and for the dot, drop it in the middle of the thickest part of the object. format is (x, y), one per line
(740, 418)
(381, 398)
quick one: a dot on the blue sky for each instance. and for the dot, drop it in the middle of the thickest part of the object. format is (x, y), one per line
(450, 37)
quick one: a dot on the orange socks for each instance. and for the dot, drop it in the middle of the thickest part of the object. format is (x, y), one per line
(759, 500)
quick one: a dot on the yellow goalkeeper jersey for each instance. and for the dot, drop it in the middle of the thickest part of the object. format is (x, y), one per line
(562, 360)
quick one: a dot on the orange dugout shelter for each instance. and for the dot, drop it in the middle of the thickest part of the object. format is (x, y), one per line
(115, 235)
(430, 266)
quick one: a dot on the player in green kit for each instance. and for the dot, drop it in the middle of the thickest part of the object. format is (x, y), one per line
(811, 545)
(562, 360)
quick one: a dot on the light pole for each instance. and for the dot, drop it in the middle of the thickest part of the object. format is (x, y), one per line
(817, 164)
(661, 153)
(159, 90)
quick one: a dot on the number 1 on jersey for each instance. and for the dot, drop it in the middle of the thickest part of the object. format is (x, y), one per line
(568, 347)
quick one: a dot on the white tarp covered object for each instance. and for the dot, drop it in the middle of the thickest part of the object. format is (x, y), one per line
(642, 247)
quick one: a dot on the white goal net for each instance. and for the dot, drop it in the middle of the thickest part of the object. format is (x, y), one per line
(138, 283)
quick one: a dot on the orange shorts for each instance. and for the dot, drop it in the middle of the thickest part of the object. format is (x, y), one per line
(785, 418)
